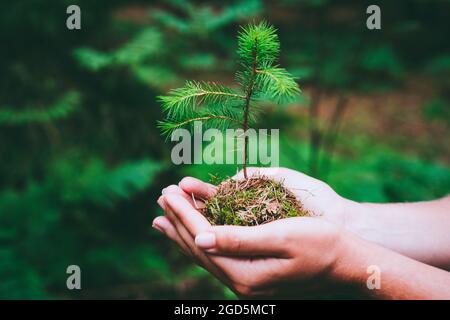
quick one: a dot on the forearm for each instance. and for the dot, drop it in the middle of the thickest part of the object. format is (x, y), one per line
(400, 276)
(418, 230)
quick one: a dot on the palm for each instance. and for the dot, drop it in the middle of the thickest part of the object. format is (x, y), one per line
(316, 196)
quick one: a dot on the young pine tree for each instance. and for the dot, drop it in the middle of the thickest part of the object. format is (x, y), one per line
(219, 106)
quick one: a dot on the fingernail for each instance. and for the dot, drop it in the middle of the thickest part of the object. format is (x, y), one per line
(160, 202)
(163, 190)
(205, 240)
(157, 226)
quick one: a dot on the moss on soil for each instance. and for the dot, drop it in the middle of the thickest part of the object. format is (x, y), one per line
(251, 202)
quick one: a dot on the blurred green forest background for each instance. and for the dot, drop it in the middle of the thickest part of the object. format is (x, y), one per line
(82, 162)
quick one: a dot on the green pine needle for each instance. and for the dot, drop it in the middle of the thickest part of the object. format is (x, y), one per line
(260, 41)
(218, 106)
(194, 94)
(277, 83)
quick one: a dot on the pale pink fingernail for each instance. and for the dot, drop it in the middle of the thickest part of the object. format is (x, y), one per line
(205, 240)
(158, 225)
(161, 203)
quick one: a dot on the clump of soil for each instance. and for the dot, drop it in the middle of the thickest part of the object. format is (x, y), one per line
(251, 202)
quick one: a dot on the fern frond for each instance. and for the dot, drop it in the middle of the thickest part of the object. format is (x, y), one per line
(180, 101)
(277, 83)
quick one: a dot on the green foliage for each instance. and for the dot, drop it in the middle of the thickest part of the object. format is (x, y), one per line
(206, 19)
(385, 176)
(195, 94)
(279, 85)
(144, 45)
(258, 49)
(439, 65)
(79, 181)
(259, 44)
(381, 59)
(63, 108)
(93, 59)
(182, 106)
(33, 218)
(151, 55)
(94, 91)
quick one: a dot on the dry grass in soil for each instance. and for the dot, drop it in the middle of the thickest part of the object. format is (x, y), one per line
(251, 202)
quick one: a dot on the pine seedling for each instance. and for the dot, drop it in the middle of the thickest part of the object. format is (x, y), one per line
(259, 79)
(255, 200)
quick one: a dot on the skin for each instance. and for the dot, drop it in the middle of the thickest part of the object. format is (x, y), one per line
(312, 257)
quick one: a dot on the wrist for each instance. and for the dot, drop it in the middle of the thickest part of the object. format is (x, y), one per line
(348, 269)
(352, 211)
(359, 220)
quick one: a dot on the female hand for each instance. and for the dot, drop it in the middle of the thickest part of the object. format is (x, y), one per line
(299, 258)
(269, 260)
(273, 259)
(401, 227)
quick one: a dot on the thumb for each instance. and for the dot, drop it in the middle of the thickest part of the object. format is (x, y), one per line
(264, 240)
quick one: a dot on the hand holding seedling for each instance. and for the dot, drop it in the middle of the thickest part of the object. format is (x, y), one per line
(250, 260)
(257, 200)
(259, 78)
(313, 257)
(282, 253)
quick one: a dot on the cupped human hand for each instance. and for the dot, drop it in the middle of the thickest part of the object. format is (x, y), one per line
(316, 196)
(290, 257)
(285, 246)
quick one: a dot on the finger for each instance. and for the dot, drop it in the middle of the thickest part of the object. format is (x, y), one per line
(189, 197)
(219, 266)
(173, 221)
(264, 240)
(198, 254)
(193, 220)
(166, 227)
(260, 274)
(183, 234)
(224, 268)
(198, 188)
(185, 240)
(162, 203)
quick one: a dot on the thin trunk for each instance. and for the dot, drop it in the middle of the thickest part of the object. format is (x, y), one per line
(248, 97)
